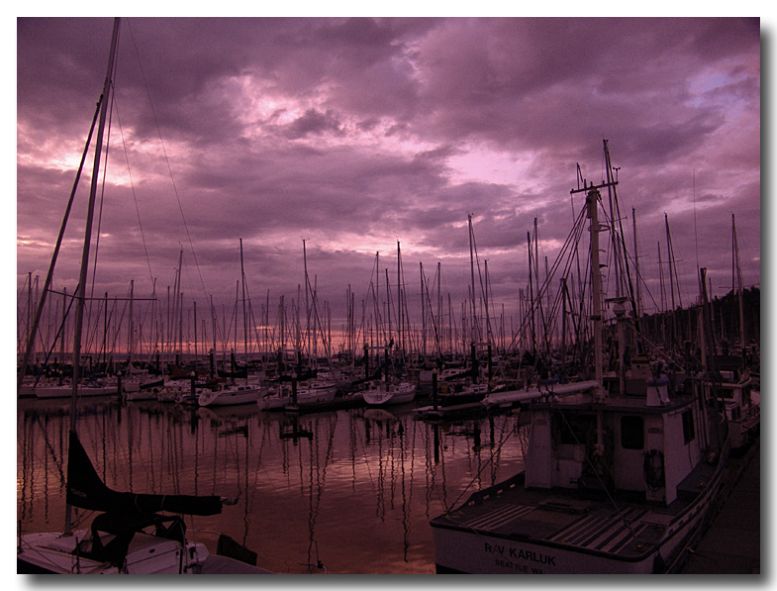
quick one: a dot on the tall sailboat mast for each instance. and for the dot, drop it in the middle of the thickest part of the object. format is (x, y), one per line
(636, 262)
(80, 294)
(33, 328)
(473, 330)
(245, 316)
(736, 280)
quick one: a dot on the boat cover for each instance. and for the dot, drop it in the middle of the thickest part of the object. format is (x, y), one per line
(86, 490)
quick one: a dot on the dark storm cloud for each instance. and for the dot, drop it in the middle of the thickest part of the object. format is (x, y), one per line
(314, 123)
(356, 133)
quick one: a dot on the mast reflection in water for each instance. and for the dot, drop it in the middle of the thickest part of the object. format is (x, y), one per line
(348, 491)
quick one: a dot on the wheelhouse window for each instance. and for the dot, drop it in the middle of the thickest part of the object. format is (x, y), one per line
(572, 429)
(689, 431)
(632, 433)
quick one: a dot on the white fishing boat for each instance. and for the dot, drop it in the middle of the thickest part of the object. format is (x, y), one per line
(615, 480)
(627, 503)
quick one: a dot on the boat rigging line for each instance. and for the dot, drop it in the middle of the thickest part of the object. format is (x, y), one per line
(167, 159)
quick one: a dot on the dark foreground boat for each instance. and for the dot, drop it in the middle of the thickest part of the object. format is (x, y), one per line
(132, 534)
(631, 507)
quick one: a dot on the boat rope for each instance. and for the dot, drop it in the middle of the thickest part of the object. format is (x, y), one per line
(54, 256)
(59, 332)
(132, 189)
(102, 195)
(167, 160)
(595, 472)
(572, 239)
(477, 476)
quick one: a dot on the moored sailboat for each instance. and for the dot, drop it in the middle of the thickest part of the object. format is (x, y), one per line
(385, 393)
(133, 533)
(230, 395)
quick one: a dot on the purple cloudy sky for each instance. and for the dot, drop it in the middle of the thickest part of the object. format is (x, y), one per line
(356, 133)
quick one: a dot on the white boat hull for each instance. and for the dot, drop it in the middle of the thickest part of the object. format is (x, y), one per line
(474, 551)
(54, 553)
(307, 397)
(400, 394)
(229, 396)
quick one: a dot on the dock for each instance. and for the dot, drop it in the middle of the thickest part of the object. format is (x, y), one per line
(732, 544)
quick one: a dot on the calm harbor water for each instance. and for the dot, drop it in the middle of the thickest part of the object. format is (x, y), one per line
(346, 491)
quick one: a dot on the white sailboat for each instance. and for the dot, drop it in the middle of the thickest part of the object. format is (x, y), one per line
(234, 394)
(230, 395)
(383, 393)
(310, 394)
(131, 535)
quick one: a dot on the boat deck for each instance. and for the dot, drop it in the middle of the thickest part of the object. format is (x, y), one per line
(623, 527)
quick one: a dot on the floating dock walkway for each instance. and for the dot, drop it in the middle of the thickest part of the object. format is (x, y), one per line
(732, 544)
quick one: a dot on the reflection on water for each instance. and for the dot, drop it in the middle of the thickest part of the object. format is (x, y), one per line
(347, 491)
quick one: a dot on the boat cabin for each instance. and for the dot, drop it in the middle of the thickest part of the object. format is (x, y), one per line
(646, 447)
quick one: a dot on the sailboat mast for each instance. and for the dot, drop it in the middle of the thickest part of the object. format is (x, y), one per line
(400, 317)
(531, 297)
(636, 262)
(737, 280)
(80, 294)
(50, 274)
(423, 311)
(596, 286)
(30, 333)
(245, 317)
(439, 303)
(131, 343)
(194, 321)
(307, 304)
(64, 331)
(213, 349)
(472, 278)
